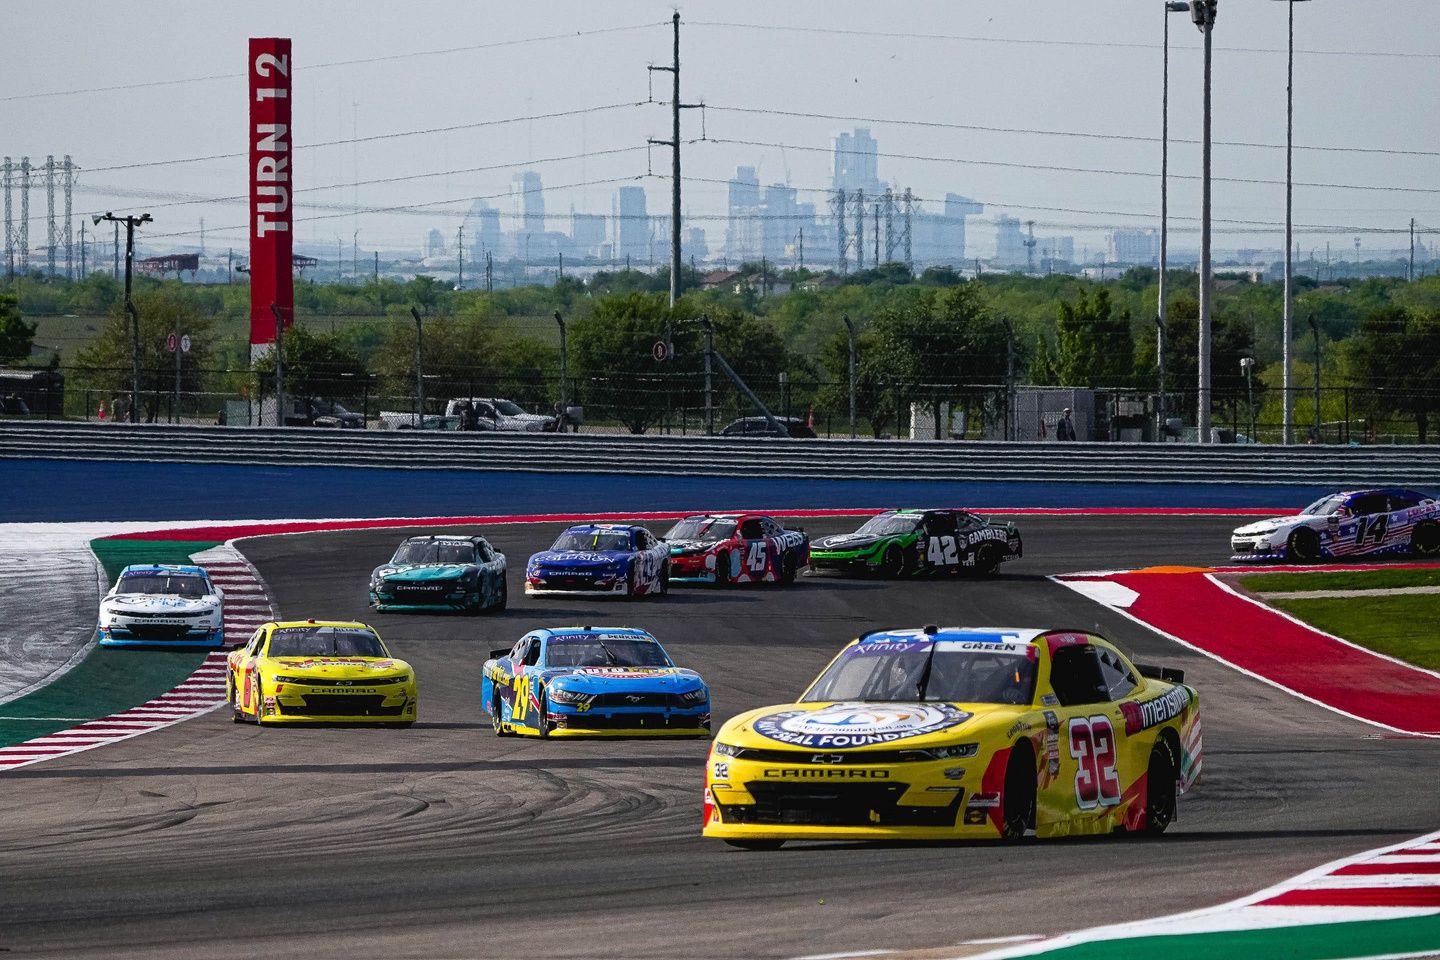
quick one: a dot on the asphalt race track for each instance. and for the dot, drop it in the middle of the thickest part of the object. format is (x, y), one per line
(210, 839)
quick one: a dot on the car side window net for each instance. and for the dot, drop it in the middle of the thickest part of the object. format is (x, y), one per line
(1075, 675)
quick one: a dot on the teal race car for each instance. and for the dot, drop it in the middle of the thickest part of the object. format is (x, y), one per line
(441, 572)
(906, 543)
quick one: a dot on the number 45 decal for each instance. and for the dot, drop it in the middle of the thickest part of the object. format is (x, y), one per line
(755, 560)
(1092, 744)
(942, 552)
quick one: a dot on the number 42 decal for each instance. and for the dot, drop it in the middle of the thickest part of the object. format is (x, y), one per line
(942, 552)
(1092, 744)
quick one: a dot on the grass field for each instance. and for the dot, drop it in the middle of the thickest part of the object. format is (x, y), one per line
(1346, 580)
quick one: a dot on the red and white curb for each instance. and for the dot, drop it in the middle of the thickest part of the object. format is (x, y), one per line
(1390, 883)
(247, 606)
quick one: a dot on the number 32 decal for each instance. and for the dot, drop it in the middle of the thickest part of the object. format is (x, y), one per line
(1092, 744)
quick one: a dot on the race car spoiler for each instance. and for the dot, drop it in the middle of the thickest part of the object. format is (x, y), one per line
(1169, 674)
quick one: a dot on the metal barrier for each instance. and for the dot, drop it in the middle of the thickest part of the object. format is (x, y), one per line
(714, 456)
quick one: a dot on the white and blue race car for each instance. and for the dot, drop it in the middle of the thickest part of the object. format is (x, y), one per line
(163, 605)
(1352, 523)
(611, 559)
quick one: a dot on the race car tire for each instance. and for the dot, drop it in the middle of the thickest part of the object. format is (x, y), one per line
(664, 579)
(542, 717)
(1304, 545)
(235, 715)
(504, 595)
(755, 844)
(401, 725)
(722, 567)
(632, 583)
(987, 560)
(1017, 810)
(1160, 799)
(893, 563)
(1426, 538)
(496, 723)
(787, 567)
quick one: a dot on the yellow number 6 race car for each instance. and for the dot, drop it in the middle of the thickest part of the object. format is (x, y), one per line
(319, 672)
(958, 733)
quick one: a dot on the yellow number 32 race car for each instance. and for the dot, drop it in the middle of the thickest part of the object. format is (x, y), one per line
(960, 733)
(319, 672)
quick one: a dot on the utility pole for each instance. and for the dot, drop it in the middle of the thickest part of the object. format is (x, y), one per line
(489, 272)
(51, 234)
(25, 222)
(229, 265)
(859, 231)
(1160, 370)
(377, 266)
(339, 260)
(564, 366)
(1162, 308)
(131, 222)
(355, 256)
(1202, 12)
(1287, 331)
(875, 210)
(1315, 332)
(67, 234)
(460, 257)
(674, 144)
(279, 365)
(115, 248)
(802, 246)
(9, 223)
(419, 372)
(850, 338)
(1009, 376)
(709, 386)
(82, 250)
(1410, 273)
(1029, 244)
(905, 227)
(838, 203)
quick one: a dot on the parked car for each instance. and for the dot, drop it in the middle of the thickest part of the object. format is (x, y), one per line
(760, 427)
(391, 420)
(494, 413)
(13, 405)
(314, 412)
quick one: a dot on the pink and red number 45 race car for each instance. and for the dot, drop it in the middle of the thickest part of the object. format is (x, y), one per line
(735, 548)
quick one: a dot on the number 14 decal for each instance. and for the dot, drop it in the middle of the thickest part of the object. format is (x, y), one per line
(1092, 744)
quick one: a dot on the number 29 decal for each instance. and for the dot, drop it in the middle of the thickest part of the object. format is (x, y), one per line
(1092, 744)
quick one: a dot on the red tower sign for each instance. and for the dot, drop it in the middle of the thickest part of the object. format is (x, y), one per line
(271, 183)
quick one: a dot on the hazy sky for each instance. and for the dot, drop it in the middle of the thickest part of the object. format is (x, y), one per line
(1367, 76)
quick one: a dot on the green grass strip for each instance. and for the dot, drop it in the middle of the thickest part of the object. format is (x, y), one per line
(106, 681)
(1343, 580)
(1406, 627)
(1329, 941)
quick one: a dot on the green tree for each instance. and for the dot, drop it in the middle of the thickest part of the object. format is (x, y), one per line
(610, 357)
(106, 361)
(317, 365)
(1094, 346)
(1042, 366)
(1396, 353)
(16, 336)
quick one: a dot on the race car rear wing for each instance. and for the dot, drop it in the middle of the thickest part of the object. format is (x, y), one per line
(1169, 674)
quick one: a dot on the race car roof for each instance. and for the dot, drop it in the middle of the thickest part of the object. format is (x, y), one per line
(471, 537)
(152, 569)
(969, 634)
(602, 631)
(603, 526)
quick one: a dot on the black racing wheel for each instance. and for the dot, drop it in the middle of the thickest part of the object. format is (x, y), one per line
(722, 567)
(787, 567)
(1017, 804)
(1304, 545)
(1426, 538)
(542, 717)
(987, 559)
(893, 563)
(1160, 801)
(496, 723)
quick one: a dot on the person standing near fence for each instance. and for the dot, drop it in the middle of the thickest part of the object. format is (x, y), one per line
(1064, 429)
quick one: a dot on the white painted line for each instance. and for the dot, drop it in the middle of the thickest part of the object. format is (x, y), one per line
(1361, 881)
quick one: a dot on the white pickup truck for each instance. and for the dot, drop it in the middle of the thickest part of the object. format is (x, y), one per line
(491, 413)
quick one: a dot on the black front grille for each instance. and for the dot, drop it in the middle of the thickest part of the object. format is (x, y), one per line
(158, 631)
(632, 721)
(562, 582)
(647, 699)
(830, 757)
(837, 805)
(1244, 547)
(342, 705)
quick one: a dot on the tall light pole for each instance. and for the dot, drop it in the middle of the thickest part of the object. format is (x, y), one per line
(1202, 12)
(1162, 312)
(130, 224)
(1287, 329)
(419, 372)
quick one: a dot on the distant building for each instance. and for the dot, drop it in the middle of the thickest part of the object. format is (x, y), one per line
(1010, 249)
(693, 245)
(587, 231)
(632, 225)
(528, 202)
(434, 244)
(857, 163)
(1140, 247)
(482, 230)
(742, 233)
(779, 223)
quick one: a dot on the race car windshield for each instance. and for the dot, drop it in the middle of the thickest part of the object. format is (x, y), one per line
(175, 585)
(324, 642)
(1324, 506)
(615, 651)
(433, 551)
(702, 529)
(593, 540)
(957, 676)
(888, 525)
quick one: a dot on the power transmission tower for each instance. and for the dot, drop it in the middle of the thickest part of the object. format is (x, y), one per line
(909, 201)
(842, 239)
(1030, 247)
(876, 230)
(859, 231)
(890, 235)
(51, 234)
(68, 233)
(24, 215)
(9, 222)
(460, 257)
(674, 144)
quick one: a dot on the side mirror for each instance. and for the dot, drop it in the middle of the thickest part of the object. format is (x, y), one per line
(1333, 519)
(499, 654)
(1169, 674)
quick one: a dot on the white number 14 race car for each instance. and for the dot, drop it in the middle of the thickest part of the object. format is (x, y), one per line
(1343, 525)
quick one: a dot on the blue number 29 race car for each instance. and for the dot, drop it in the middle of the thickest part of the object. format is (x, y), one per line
(592, 681)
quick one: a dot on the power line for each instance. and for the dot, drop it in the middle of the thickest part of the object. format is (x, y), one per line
(1108, 44)
(338, 63)
(381, 136)
(1129, 138)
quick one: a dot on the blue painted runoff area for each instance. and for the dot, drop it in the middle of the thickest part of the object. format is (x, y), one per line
(65, 490)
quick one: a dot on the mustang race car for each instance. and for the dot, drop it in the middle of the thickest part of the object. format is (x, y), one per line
(162, 605)
(944, 733)
(900, 543)
(601, 558)
(736, 548)
(441, 572)
(310, 671)
(592, 681)
(1343, 525)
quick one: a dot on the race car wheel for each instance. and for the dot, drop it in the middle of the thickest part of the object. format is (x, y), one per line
(787, 568)
(1018, 802)
(1304, 545)
(893, 564)
(1160, 788)
(987, 560)
(722, 567)
(756, 844)
(495, 722)
(235, 715)
(632, 583)
(1426, 538)
(504, 595)
(542, 717)
(665, 579)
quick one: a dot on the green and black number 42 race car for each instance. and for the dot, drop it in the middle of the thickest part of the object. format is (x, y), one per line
(902, 543)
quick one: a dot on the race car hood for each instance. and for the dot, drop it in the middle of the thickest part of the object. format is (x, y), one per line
(847, 542)
(154, 603)
(580, 559)
(337, 668)
(424, 572)
(1271, 524)
(598, 679)
(856, 726)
